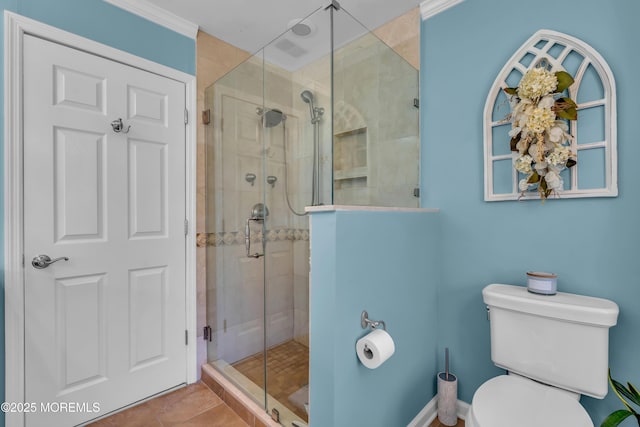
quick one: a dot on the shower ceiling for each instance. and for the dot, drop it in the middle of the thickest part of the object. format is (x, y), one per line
(250, 24)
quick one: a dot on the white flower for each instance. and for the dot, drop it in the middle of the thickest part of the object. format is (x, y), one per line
(514, 131)
(541, 168)
(559, 155)
(554, 180)
(558, 132)
(523, 185)
(547, 102)
(536, 83)
(523, 164)
(522, 145)
(541, 119)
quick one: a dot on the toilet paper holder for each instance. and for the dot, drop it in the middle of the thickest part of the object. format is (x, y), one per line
(365, 321)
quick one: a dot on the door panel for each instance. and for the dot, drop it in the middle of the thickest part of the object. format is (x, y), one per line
(108, 325)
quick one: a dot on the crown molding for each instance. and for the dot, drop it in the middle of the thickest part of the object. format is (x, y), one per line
(158, 15)
(429, 8)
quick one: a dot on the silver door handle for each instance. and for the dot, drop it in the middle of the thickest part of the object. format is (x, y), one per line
(43, 261)
(247, 239)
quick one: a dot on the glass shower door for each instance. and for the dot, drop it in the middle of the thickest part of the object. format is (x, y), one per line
(235, 207)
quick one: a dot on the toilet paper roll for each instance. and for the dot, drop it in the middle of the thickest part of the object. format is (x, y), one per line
(375, 348)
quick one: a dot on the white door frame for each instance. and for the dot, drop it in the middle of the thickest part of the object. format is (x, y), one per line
(15, 27)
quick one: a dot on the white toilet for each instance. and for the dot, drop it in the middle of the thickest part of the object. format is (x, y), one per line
(555, 348)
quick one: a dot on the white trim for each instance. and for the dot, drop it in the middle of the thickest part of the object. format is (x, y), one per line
(334, 208)
(430, 411)
(158, 15)
(15, 27)
(190, 213)
(430, 8)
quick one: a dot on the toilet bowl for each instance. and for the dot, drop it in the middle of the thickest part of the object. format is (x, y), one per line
(513, 401)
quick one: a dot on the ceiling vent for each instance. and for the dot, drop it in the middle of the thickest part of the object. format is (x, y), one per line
(291, 48)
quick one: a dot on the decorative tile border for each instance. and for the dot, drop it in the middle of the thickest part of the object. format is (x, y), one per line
(232, 238)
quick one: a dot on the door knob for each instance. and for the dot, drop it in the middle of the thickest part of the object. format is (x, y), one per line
(43, 261)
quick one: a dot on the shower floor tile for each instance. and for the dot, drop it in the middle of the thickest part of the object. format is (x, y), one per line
(437, 423)
(287, 369)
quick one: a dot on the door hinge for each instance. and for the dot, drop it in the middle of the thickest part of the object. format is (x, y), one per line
(186, 116)
(186, 337)
(207, 334)
(186, 227)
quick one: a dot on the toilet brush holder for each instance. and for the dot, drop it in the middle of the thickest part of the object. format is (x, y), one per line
(447, 398)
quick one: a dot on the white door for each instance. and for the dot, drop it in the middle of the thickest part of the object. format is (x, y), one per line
(106, 327)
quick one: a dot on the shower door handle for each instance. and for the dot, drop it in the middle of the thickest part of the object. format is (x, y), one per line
(247, 239)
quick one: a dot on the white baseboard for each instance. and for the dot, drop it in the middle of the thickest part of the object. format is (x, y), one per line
(429, 413)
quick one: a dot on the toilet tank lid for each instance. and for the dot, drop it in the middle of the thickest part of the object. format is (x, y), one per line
(564, 306)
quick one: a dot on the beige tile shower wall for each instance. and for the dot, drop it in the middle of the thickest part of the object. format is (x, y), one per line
(374, 90)
(214, 59)
(403, 35)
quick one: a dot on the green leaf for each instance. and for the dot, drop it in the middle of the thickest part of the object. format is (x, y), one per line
(543, 184)
(567, 101)
(511, 90)
(534, 178)
(569, 114)
(570, 163)
(564, 80)
(615, 418)
(622, 391)
(634, 392)
(565, 108)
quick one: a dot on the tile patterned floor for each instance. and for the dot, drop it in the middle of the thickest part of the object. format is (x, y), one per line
(192, 406)
(287, 368)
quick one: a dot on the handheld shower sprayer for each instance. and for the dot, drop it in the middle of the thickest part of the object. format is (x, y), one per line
(307, 97)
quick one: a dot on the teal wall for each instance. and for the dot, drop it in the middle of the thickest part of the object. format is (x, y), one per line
(593, 244)
(102, 22)
(385, 263)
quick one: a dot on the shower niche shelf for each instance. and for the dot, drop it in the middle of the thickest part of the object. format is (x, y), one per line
(350, 156)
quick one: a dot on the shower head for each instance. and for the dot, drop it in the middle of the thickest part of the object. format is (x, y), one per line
(273, 117)
(307, 96)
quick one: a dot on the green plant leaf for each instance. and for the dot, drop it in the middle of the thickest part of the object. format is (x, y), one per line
(511, 90)
(569, 114)
(623, 390)
(543, 184)
(564, 80)
(566, 108)
(570, 163)
(615, 418)
(634, 392)
(534, 178)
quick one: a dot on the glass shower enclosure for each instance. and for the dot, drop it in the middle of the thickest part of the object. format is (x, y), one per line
(324, 114)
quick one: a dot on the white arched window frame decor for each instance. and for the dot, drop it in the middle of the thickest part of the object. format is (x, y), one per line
(594, 142)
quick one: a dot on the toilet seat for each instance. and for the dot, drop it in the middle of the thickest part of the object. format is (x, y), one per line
(508, 401)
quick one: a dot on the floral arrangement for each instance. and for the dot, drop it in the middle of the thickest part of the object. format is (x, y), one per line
(539, 130)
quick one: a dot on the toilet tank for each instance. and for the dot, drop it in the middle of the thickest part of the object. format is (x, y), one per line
(561, 340)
